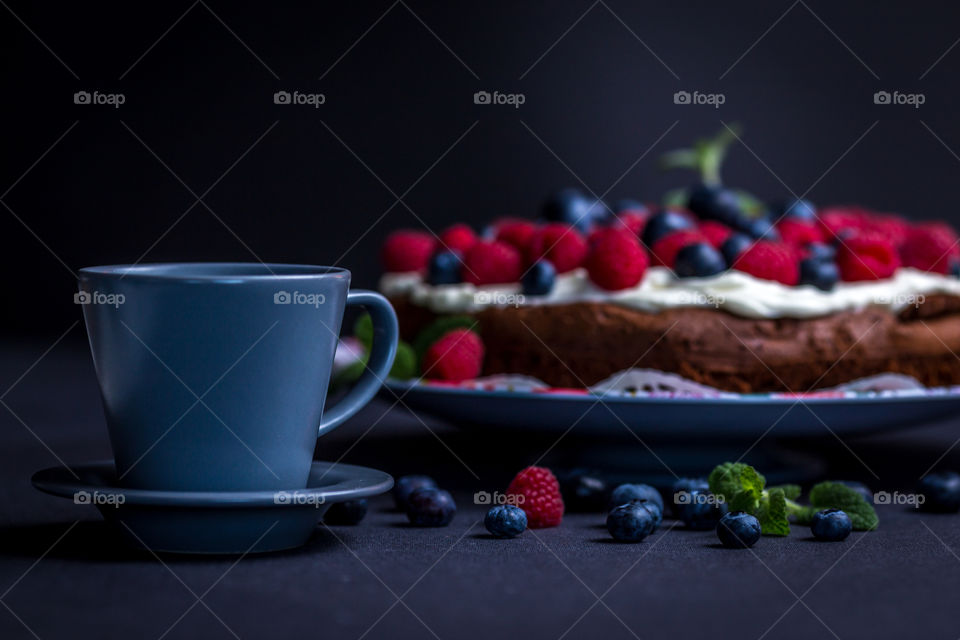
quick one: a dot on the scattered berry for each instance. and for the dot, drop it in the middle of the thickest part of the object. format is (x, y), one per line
(701, 510)
(505, 521)
(539, 278)
(537, 492)
(769, 261)
(630, 522)
(584, 492)
(627, 492)
(407, 250)
(831, 525)
(350, 512)
(570, 207)
(866, 257)
(517, 233)
(560, 244)
(430, 507)
(734, 246)
(930, 247)
(716, 233)
(444, 268)
(665, 249)
(822, 274)
(799, 233)
(459, 237)
(738, 530)
(682, 487)
(941, 492)
(492, 263)
(456, 356)
(616, 260)
(408, 484)
(664, 223)
(698, 260)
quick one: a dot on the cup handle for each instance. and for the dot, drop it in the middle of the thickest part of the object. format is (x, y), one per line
(385, 336)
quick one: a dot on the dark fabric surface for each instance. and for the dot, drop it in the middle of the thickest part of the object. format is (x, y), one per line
(383, 579)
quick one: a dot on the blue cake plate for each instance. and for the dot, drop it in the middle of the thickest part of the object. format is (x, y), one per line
(213, 522)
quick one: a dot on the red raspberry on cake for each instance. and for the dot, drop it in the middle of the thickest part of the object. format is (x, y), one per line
(560, 244)
(799, 233)
(407, 250)
(517, 233)
(491, 262)
(537, 492)
(459, 237)
(838, 220)
(456, 356)
(715, 232)
(632, 222)
(665, 249)
(616, 259)
(866, 256)
(890, 226)
(769, 261)
(930, 247)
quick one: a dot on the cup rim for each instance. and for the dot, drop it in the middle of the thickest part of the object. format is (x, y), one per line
(213, 271)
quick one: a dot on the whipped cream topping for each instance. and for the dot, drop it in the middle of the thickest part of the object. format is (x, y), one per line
(736, 292)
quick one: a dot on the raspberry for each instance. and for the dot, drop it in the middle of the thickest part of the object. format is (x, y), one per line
(799, 233)
(866, 256)
(560, 244)
(769, 261)
(541, 499)
(665, 249)
(837, 220)
(459, 238)
(631, 221)
(890, 226)
(492, 262)
(716, 233)
(616, 259)
(407, 250)
(930, 247)
(518, 233)
(457, 355)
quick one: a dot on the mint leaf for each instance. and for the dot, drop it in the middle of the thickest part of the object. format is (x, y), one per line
(791, 491)
(833, 495)
(405, 362)
(363, 330)
(773, 514)
(739, 484)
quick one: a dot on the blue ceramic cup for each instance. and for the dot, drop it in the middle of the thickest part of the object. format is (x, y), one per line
(214, 375)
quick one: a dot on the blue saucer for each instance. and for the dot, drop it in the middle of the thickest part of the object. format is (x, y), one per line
(213, 522)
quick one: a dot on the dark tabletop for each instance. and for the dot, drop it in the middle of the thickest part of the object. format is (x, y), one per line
(381, 579)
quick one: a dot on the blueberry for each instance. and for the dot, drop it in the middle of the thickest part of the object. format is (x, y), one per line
(795, 209)
(584, 492)
(430, 507)
(941, 491)
(831, 525)
(407, 485)
(859, 487)
(505, 521)
(733, 246)
(701, 511)
(663, 223)
(738, 530)
(571, 207)
(821, 251)
(630, 522)
(444, 268)
(539, 278)
(683, 486)
(626, 492)
(713, 202)
(349, 512)
(761, 228)
(822, 274)
(698, 260)
(599, 213)
(653, 508)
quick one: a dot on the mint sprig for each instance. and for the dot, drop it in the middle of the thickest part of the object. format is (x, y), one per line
(706, 155)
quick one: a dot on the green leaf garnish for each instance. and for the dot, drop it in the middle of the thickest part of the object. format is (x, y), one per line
(773, 513)
(738, 484)
(790, 491)
(833, 495)
(705, 155)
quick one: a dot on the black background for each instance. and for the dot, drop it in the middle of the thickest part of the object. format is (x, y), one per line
(321, 185)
